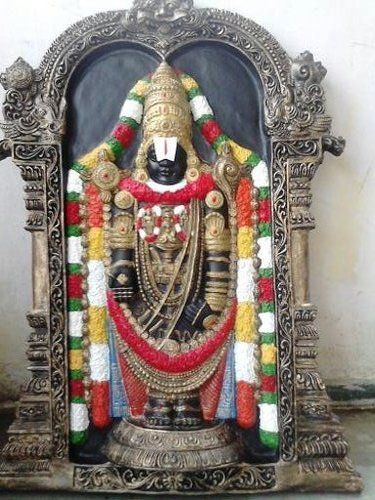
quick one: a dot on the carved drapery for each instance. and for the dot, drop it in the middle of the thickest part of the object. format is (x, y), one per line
(294, 110)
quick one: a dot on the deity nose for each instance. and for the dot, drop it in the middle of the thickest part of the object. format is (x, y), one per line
(166, 163)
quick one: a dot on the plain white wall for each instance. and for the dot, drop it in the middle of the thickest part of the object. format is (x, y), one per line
(340, 33)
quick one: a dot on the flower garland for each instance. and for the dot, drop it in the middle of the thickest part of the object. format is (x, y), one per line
(197, 189)
(78, 410)
(155, 212)
(160, 360)
(203, 114)
(91, 317)
(268, 422)
(245, 347)
(96, 310)
(124, 131)
(268, 397)
(177, 214)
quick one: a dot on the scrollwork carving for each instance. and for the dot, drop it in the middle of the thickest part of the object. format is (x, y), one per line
(236, 478)
(28, 114)
(299, 109)
(27, 446)
(314, 409)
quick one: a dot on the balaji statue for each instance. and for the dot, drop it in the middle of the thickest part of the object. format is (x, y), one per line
(171, 320)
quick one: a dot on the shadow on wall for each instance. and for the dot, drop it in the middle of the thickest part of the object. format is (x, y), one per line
(15, 282)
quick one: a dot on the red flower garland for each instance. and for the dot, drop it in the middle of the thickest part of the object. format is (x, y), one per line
(197, 190)
(243, 203)
(76, 389)
(72, 213)
(100, 407)
(266, 293)
(210, 392)
(211, 130)
(246, 405)
(265, 211)
(268, 383)
(94, 206)
(159, 360)
(75, 286)
(124, 134)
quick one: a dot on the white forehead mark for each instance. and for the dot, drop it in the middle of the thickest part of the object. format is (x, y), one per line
(165, 148)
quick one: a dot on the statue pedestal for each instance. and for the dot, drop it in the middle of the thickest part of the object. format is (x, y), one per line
(135, 446)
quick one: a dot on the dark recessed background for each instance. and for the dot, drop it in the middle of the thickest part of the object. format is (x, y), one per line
(101, 82)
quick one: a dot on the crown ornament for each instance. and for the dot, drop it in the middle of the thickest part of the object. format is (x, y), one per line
(167, 114)
(167, 111)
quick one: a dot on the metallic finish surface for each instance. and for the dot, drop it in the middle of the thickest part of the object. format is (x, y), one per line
(130, 445)
(313, 451)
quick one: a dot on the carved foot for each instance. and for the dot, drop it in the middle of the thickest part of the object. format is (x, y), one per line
(158, 413)
(187, 413)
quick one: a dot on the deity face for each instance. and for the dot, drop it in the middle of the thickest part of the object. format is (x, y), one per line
(167, 171)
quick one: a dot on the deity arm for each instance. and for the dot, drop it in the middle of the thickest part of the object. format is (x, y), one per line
(218, 207)
(217, 246)
(122, 280)
(216, 275)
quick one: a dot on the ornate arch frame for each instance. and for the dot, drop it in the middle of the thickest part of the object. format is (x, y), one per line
(313, 451)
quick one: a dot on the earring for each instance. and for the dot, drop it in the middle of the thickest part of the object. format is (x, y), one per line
(193, 170)
(141, 175)
(140, 172)
(192, 174)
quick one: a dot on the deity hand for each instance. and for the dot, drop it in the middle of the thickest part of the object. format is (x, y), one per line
(195, 314)
(122, 280)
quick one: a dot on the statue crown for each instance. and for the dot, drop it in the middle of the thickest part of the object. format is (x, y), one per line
(167, 111)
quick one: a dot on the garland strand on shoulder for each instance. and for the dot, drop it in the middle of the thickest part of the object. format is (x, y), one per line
(93, 320)
(246, 341)
(204, 118)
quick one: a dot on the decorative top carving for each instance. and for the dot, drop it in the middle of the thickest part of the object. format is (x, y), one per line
(305, 71)
(159, 10)
(28, 114)
(294, 99)
(299, 109)
(20, 76)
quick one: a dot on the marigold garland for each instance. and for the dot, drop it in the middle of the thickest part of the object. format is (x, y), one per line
(245, 330)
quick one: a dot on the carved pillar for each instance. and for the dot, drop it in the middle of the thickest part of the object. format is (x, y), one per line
(321, 446)
(30, 433)
(39, 432)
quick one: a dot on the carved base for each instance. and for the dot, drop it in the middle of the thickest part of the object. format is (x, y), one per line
(130, 445)
(239, 478)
